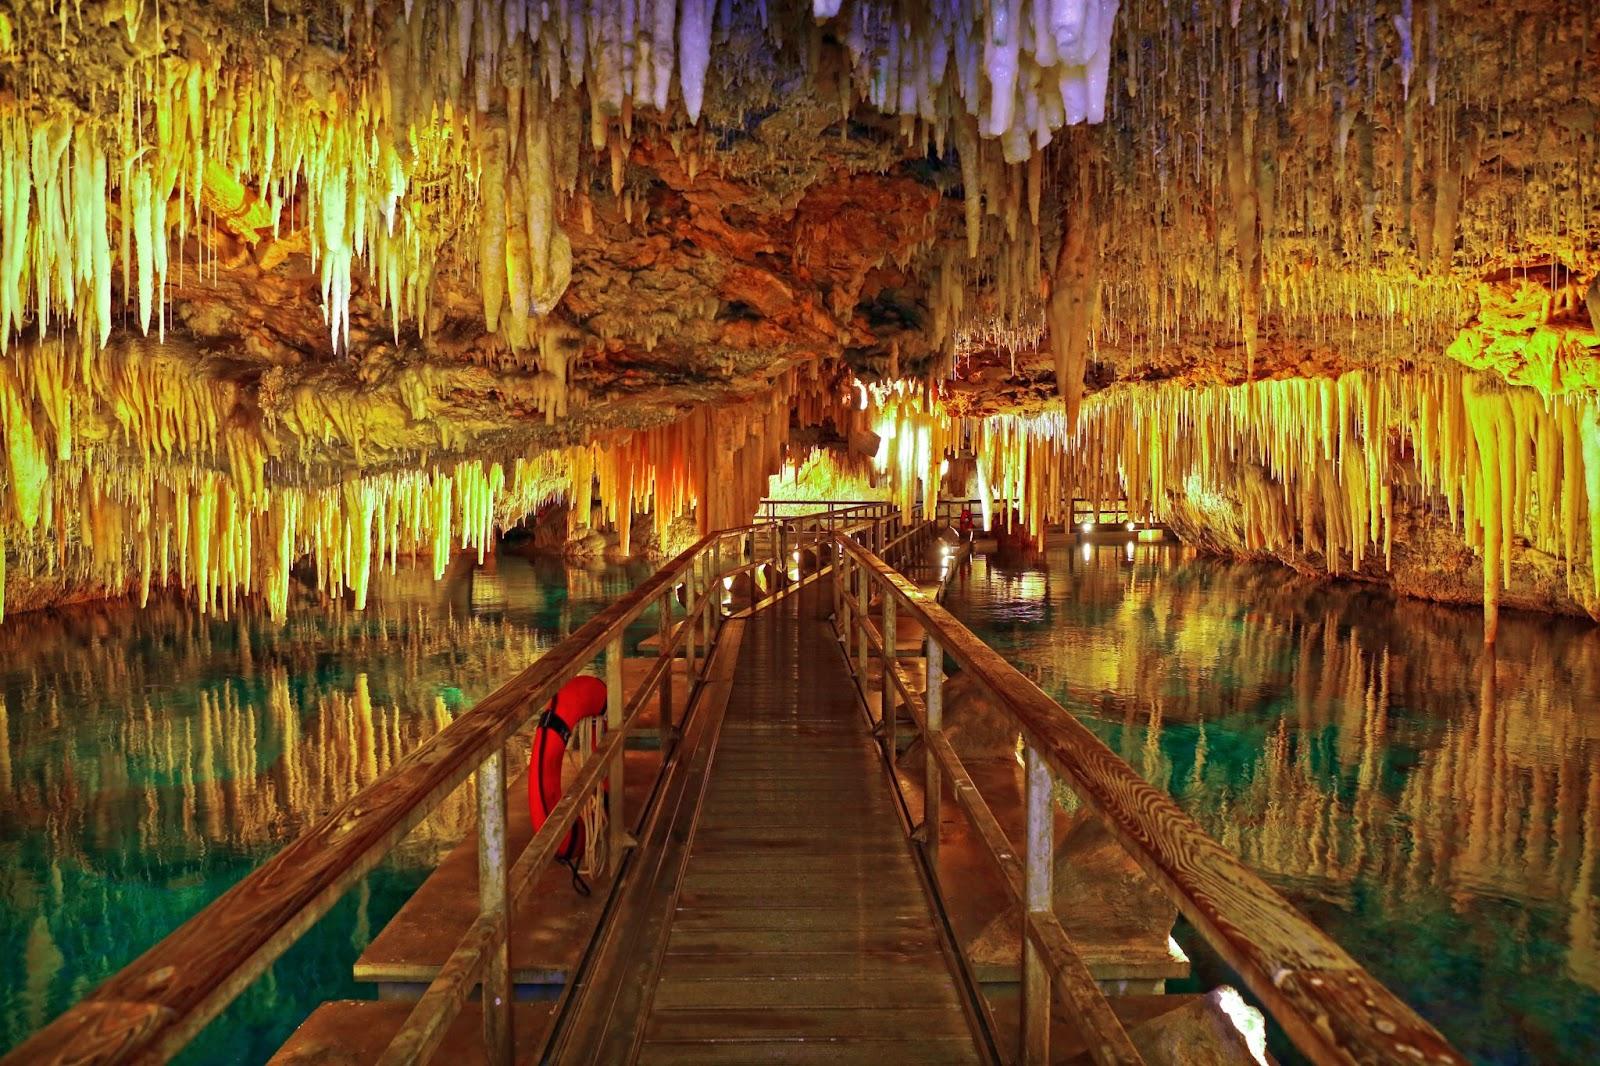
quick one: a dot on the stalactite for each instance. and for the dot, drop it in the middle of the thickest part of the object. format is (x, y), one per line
(464, 122)
(1590, 433)
(1073, 290)
(1327, 449)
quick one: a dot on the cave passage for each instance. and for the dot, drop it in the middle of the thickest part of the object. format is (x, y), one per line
(1099, 499)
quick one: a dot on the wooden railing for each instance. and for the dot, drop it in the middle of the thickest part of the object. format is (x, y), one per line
(1327, 1004)
(945, 510)
(154, 1006)
(1112, 512)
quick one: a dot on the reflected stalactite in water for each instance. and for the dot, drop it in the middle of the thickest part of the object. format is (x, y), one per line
(250, 764)
(150, 758)
(236, 733)
(1362, 753)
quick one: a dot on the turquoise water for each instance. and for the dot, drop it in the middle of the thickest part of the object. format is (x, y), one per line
(150, 759)
(1446, 831)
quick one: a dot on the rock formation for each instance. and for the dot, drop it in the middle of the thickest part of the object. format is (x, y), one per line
(345, 281)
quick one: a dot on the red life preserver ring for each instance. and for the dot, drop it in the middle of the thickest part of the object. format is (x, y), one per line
(582, 697)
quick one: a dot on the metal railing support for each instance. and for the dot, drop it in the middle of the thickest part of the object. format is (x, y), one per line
(493, 871)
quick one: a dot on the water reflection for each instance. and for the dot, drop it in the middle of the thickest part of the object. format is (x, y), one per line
(150, 759)
(1437, 812)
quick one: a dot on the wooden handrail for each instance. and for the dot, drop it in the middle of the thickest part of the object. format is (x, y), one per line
(430, 1018)
(152, 1007)
(1102, 1032)
(1330, 1007)
(155, 1005)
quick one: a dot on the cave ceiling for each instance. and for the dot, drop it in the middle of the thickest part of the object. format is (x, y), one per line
(1407, 163)
(298, 242)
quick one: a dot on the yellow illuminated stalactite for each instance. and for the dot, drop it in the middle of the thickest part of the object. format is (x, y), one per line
(1483, 413)
(1506, 462)
(467, 120)
(1590, 433)
(914, 433)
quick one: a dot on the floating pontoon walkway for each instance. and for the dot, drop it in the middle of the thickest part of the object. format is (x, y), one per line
(804, 864)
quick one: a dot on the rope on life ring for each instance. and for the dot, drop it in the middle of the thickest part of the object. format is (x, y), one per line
(580, 699)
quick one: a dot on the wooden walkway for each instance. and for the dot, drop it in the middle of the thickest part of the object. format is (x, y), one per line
(799, 928)
(771, 906)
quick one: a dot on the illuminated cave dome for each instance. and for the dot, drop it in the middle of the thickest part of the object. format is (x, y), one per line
(358, 280)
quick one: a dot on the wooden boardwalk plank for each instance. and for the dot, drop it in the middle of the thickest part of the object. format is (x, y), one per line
(921, 991)
(802, 933)
(734, 1024)
(885, 967)
(355, 1032)
(810, 1053)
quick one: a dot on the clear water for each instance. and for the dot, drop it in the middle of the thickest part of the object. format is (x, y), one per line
(1446, 831)
(150, 759)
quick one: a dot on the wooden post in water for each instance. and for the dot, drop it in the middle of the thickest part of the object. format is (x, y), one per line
(1041, 829)
(666, 675)
(616, 817)
(493, 870)
(888, 675)
(932, 785)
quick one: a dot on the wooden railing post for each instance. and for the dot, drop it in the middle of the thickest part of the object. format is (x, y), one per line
(888, 675)
(713, 601)
(716, 586)
(667, 737)
(838, 584)
(1041, 827)
(493, 874)
(782, 557)
(863, 611)
(688, 620)
(933, 787)
(616, 815)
